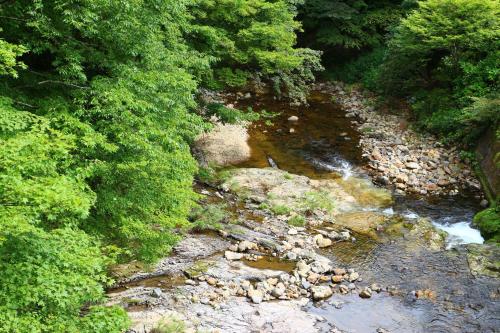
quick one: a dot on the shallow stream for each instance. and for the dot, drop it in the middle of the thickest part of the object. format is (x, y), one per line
(323, 143)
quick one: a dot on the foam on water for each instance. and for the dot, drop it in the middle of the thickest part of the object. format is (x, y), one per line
(336, 164)
(460, 233)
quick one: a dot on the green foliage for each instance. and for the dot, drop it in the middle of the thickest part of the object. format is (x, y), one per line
(253, 37)
(170, 325)
(231, 116)
(445, 55)
(349, 24)
(297, 221)
(8, 58)
(208, 216)
(363, 69)
(317, 200)
(280, 209)
(96, 122)
(47, 276)
(488, 221)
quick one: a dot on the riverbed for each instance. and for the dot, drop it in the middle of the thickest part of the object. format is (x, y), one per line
(424, 288)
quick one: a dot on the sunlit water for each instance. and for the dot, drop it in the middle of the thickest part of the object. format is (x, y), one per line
(324, 144)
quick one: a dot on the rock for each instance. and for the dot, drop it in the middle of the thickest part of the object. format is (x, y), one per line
(353, 276)
(365, 293)
(224, 145)
(211, 281)
(303, 268)
(432, 187)
(484, 259)
(156, 292)
(278, 291)
(412, 165)
(343, 289)
(484, 203)
(306, 284)
(321, 292)
(292, 231)
(361, 222)
(293, 118)
(246, 245)
(190, 282)
(229, 255)
(339, 271)
(375, 287)
(256, 295)
(337, 278)
(291, 130)
(376, 154)
(322, 241)
(383, 180)
(313, 277)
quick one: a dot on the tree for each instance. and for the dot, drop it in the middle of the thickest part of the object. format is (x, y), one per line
(444, 54)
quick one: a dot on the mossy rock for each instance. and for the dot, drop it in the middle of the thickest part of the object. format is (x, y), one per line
(198, 268)
(484, 259)
(488, 222)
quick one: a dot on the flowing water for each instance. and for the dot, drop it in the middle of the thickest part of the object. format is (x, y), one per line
(324, 144)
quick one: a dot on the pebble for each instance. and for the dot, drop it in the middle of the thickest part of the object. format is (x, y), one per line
(365, 293)
(157, 293)
(321, 292)
(256, 295)
(293, 118)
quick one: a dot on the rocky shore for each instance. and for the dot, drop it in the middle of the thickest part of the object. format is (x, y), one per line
(298, 254)
(398, 156)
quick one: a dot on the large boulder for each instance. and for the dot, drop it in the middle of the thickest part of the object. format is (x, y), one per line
(224, 145)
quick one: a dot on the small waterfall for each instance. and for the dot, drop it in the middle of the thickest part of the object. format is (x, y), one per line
(332, 163)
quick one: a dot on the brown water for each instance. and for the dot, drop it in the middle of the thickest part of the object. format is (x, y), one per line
(166, 281)
(272, 263)
(311, 150)
(324, 144)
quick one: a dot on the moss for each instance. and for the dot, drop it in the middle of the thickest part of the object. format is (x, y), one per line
(488, 222)
(197, 269)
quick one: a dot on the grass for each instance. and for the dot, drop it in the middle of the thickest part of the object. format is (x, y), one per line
(317, 200)
(297, 221)
(208, 217)
(170, 325)
(280, 210)
(287, 176)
